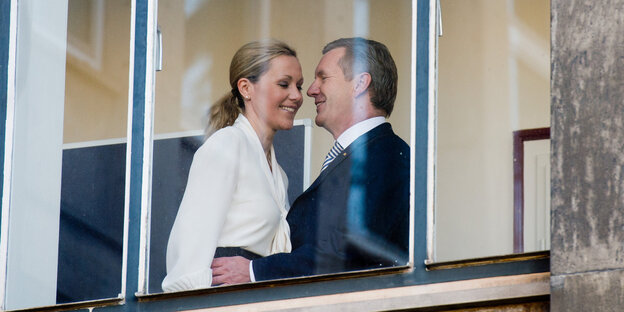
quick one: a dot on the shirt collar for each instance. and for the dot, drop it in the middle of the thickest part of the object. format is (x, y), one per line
(355, 131)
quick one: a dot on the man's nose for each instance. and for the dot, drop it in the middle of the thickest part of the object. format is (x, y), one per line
(313, 89)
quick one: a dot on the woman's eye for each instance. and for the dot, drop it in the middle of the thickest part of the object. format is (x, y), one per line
(299, 88)
(283, 85)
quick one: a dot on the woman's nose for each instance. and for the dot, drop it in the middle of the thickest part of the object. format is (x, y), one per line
(296, 95)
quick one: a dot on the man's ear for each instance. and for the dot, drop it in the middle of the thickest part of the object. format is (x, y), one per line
(361, 83)
(245, 88)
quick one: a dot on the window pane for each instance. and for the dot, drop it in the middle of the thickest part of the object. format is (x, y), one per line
(69, 153)
(493, 71)
(200, 39)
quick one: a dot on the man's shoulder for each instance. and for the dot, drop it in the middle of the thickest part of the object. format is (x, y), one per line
(383, 136)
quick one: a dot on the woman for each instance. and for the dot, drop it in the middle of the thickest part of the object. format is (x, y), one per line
(236, 191)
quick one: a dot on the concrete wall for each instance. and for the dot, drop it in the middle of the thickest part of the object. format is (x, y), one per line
(587, 249)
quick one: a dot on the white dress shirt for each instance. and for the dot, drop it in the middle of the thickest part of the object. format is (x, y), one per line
(355, 131)
(345, 139)
(232, 199)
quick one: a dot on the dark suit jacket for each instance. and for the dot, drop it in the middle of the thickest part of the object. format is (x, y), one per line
(354, 216)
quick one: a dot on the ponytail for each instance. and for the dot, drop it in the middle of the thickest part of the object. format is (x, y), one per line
(224, 112)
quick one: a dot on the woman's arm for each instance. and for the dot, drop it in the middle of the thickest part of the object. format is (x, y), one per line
(211, 185)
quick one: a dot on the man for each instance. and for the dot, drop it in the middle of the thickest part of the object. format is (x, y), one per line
(356, 214)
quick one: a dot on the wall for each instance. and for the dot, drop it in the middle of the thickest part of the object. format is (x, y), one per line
(587, 254)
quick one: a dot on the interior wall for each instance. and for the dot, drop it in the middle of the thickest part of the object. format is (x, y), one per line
(493, 79)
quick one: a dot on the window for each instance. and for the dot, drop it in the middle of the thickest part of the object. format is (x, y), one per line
(493, 79)
(195, 75)
(64, 229)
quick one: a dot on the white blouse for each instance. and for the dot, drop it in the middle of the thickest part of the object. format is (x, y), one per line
(232, 199)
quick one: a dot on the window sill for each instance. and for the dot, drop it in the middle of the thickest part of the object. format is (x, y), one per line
(274, 283)
(537, 255)
(90, 304)
(432, 297)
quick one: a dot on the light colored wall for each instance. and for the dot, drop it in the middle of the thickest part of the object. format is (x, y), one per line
(493, 80)
(96, 89)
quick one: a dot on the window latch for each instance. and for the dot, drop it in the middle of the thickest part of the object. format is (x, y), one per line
(439, 11)
(159, 47)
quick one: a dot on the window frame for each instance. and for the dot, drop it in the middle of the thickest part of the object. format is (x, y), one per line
(519, 137)
(141, 97)
(8, 42)
(143, 290)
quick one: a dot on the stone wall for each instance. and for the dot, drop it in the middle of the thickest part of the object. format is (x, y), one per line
(587, 131)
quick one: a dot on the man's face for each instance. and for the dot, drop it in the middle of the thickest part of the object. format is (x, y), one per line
(332, 93)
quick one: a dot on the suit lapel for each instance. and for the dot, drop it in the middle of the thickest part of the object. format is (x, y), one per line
(360, 143)
(340, 158)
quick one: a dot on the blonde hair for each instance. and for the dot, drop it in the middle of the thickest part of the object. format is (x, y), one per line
(251, 61)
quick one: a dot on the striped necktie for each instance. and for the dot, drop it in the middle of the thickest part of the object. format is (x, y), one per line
(335, 150)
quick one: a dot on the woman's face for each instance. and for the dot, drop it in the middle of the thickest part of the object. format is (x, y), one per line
(275, 98)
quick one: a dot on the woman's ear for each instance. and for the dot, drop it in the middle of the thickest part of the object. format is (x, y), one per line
(361, 83)
(245, 88)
